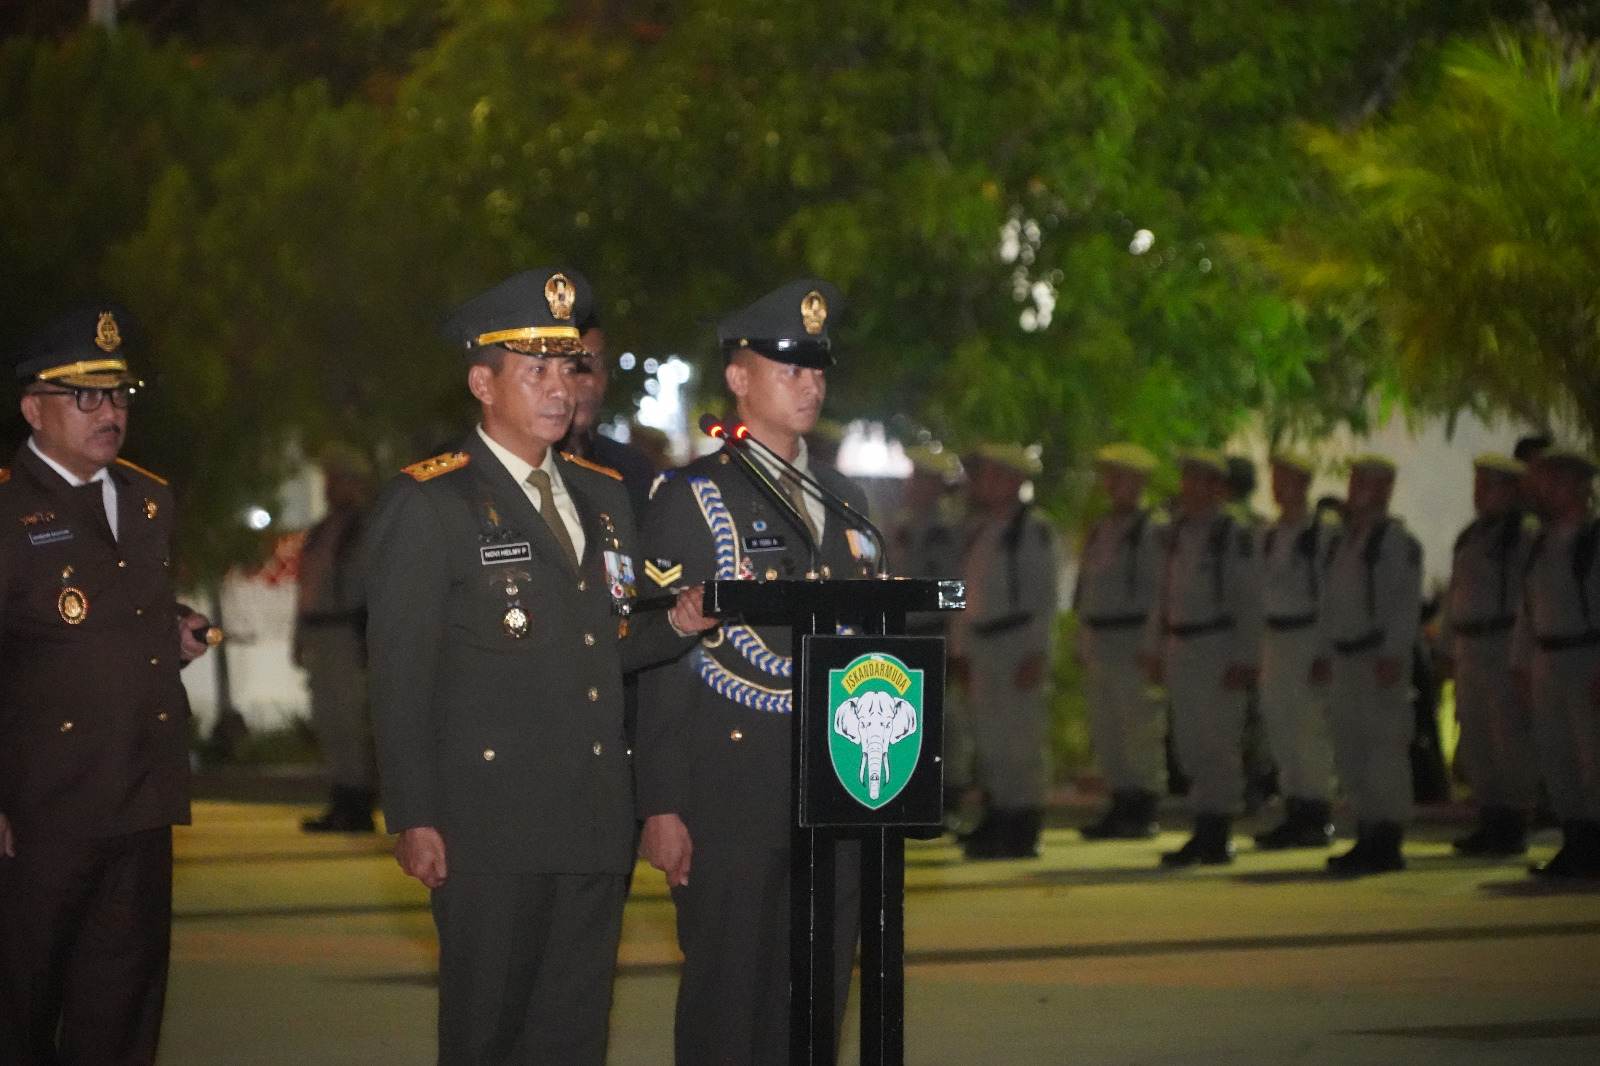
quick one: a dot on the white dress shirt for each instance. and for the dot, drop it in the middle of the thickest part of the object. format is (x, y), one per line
(108, 487)
(520, 469)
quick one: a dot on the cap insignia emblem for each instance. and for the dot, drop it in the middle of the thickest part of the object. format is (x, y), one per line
(814, 312)
(106, 336)
(559, 294)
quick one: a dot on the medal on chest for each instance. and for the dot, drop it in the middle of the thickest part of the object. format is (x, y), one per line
(501, 549)
(620, 584)
(72, 604)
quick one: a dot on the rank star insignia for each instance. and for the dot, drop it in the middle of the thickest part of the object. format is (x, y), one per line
(662, 571)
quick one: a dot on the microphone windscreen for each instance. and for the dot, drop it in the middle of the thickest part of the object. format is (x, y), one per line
(710, 425)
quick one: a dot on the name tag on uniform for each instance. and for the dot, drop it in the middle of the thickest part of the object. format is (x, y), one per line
(49, 536)
(494, 554)
(768, 543)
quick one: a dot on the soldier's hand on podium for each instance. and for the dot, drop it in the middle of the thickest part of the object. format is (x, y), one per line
(687, 615)
(420, 853)
(665, 844)
(8, 843)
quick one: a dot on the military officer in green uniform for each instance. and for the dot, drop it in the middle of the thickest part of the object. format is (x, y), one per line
(501, 580)
(713, 748)
(94, 753)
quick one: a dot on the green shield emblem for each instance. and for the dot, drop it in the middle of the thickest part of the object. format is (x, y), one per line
(876, 708)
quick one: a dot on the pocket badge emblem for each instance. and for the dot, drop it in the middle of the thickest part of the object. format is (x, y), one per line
(73, 605)
(515, 623)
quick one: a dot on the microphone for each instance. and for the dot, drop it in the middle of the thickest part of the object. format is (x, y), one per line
(740, 436)
(738, 442)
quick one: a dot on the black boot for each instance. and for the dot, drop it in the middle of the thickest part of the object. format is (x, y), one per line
(349, 811)
(1502, 833)
(1007, 833)
(1306, 824)
(1211, 844)
(1579, 856)
(1376, 851)
(1131, 817)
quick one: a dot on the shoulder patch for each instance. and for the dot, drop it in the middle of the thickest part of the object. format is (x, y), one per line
(439, 464)
(663, 571)
(596, 467)
(141, 470)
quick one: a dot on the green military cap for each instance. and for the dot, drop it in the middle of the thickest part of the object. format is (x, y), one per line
(1296, 461)
(535, 312)
(1207, 458)
(1373, 463)
(81, 349)
(1499, 464)
(1565, 454)
(934, 461)
(1024, 460)
(789, 324)
(1128, 456)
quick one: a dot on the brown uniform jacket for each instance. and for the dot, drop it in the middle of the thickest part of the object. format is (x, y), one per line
(93, 716)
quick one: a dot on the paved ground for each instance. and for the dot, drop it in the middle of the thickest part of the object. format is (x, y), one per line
(309, 951)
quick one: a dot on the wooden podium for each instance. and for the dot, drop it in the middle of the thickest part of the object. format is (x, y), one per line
(866, 764)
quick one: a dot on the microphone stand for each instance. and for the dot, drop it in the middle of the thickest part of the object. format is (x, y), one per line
(831, 500)
(712, 427)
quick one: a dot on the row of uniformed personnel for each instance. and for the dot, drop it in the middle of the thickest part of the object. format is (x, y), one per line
(1319, 618)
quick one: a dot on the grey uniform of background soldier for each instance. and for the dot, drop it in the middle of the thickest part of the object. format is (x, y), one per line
(497, 661)
(94, 762)
(713, 750)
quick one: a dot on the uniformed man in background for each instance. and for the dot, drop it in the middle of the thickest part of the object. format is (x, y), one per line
(94, 721)
(501, 581)
(1118, 576)
(330, 643)
(1557, 656)
(1206, 636)
(584, 439)
(1003, 646)
(713, 752)
(1496, 752)
(1368, 619)
(1294, 711)
(924, 542)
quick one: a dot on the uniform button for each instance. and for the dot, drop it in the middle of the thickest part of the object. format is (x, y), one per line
(594, 693)
(583, 586)
(155, 662)
(138, 610)
(162, 717)
(736, 735)
(488, 756)
(597, 747)
(66, 727)
(122, 563)
(588, 638)
(630, 753)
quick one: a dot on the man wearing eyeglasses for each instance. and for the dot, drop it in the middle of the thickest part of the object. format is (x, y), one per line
(94, 764)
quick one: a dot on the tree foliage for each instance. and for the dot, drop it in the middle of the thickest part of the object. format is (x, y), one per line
(1463, 234)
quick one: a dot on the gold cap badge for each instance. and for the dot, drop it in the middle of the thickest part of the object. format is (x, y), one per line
(106, 335)
(814, 312)
(560, 295)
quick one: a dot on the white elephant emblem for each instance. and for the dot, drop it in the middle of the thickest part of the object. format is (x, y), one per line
(875, 720)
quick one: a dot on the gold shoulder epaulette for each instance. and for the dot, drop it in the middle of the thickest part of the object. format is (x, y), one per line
(141, 470)
(439, 464)
(596, 467)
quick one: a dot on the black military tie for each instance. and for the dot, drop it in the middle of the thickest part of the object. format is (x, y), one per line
(540, 480)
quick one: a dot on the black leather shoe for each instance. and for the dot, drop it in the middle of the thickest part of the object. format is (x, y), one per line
(1211, 844)
(1306, 824)
(1501, 834)
(1131, 817)
(1376, 851)
(349, 811)
(1579, 856)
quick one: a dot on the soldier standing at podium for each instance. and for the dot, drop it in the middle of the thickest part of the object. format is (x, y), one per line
(712, 757)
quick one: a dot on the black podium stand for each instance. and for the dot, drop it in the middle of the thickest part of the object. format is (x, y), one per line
(850, 633)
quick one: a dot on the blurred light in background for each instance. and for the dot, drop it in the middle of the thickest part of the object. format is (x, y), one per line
(866, 451)
(258, 518)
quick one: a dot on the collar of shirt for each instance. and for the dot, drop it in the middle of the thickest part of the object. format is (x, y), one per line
(520, 468)
(802, 463)
(108, 487)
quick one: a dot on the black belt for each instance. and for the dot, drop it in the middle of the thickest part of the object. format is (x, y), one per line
(1117, 621)
(1284, 623)
(1484, 628)
(332, 619)
(1360, 644)
(1198, 629)
(1576, 640)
